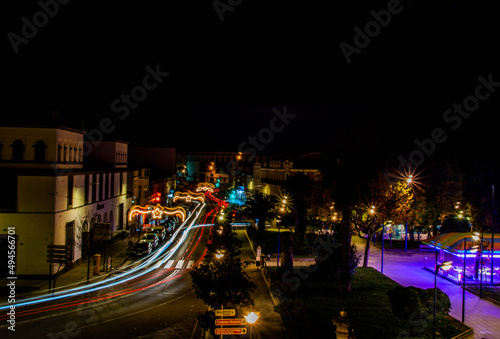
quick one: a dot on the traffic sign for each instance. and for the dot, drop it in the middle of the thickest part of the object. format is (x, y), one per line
(229, 331)
(230, 322)
(229, 312)
(58, 254)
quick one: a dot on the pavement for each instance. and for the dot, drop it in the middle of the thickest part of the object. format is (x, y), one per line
(269, 324)
(406, 268)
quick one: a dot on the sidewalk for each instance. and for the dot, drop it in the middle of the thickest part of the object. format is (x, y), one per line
(26, 288)
(406, 268)
(269, 325)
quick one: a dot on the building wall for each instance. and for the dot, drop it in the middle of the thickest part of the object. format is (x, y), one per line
(63, 147)
(44, 215)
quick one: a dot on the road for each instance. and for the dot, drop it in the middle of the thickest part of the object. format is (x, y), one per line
(150, 298)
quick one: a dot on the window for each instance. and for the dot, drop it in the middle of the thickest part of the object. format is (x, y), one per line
(120, 190)
(101, 186)
(113, 184)
(106, 188)
(40, 151)
(60, 153)
(86, 189)
(94, 187)
(120, 216)
(70, 192)
(70, 238)
(18, 150)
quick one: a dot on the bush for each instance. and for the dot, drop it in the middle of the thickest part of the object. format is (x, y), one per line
(413, 303)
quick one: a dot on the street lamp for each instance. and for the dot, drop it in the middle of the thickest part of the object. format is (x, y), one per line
(251, 318)
(282, 210)
(219, 255)
(445, 266)
(408, 182)
(382, 263)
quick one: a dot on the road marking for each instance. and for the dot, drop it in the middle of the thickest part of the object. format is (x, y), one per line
(180, 263)
(190, 264)
(169, 263)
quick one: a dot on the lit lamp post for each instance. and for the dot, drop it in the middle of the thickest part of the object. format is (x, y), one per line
(383, 233)
(445, 266)
(251, 318)
(282, 211)
(408, 182)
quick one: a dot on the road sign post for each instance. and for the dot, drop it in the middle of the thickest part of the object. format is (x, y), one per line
(57, 254)
(231, 331)
(229, 312)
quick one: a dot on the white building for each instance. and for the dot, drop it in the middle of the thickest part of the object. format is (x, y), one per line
(49, 198)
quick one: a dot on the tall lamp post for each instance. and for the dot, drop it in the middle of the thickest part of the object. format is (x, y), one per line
(492, 231)
(282, 211)
(445, 266)
(408, 182)
(383, 233)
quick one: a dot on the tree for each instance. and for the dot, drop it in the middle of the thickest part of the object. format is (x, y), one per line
(444, 188)
(220, 281)
(386, 201)
(260, 207)
(223, 283)
(349, 259)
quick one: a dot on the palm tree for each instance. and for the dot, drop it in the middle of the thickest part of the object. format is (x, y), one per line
(260, 207)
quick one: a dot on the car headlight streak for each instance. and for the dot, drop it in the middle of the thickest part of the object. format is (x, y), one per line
(108, 282)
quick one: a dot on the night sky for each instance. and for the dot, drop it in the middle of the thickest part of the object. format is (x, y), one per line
(226, 76)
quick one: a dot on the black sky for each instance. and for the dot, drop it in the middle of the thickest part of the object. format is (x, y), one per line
(227, 76)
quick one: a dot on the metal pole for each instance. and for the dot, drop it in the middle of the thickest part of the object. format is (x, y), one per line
(463, 282)
(435, 298)
(382, 264)
(406, 234)
(406, 228)
(481, 258)
(279, 241)
(492, 231)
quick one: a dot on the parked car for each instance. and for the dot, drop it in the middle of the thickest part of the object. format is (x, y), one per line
(160, 231)
(151, 238)
(142, 248)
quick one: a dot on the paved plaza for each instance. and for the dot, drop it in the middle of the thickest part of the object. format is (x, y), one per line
(406, 268)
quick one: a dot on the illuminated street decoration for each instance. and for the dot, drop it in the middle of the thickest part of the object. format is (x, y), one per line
(189, 196)
(206, 184)
(205, 189)
(157, 211)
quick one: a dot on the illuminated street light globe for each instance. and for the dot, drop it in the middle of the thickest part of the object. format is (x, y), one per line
(251, 318)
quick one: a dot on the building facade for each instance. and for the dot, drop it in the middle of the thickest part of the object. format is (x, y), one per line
(50, 197)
